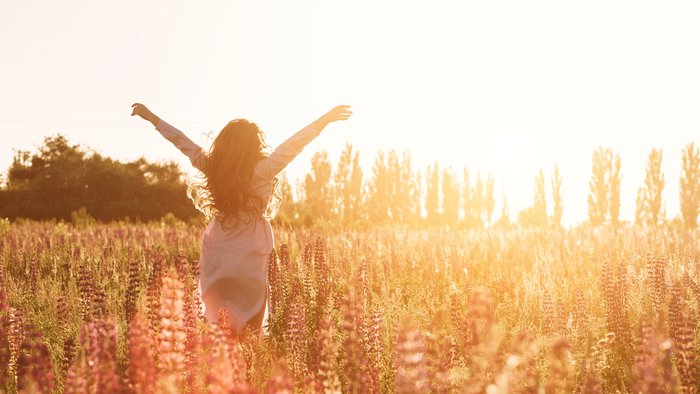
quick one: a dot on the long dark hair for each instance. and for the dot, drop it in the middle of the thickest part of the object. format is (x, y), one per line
(223, 192)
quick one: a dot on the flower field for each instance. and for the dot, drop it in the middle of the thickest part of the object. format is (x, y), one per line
(112, 308)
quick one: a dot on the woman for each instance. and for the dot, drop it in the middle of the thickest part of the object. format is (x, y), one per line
(236, 195)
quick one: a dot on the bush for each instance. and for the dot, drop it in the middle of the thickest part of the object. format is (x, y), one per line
(4, 226)
(170, 220)
(82, 218)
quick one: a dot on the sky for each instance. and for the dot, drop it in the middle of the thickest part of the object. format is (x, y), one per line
(506, 88)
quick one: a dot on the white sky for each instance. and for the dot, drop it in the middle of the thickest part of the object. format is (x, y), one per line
(500, 87)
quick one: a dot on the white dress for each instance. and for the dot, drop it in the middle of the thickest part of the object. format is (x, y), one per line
(233, 262)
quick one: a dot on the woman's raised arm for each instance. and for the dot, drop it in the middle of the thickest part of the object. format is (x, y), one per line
(193, 151)
(289, 149)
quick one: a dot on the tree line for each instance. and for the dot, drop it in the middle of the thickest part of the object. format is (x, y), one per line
(604, 195)
(395, 193)
(60, 179)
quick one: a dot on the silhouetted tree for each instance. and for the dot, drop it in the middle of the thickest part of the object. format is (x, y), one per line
(62, 178)
(399, 188)
(450, 197)
(407, 191)
(478, 202)
(488, 199)
(556, 197)
(649, 202)
(317, 188)
(348, 186)
(354, 209)
(690, 185)
(287, 212)
(503, 222)
(432, 197)
(540, 205)
(599, 185)
(471, 202)
(614, 192)
(536, 215)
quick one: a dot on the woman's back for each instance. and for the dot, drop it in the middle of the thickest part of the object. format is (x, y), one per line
(234, 254)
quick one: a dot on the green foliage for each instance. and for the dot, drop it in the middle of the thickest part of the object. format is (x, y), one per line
(4, 226)
(62, 178)
(82, 218)
(170, 220)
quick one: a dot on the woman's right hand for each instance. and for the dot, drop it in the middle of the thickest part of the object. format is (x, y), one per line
(341, 112)
(143, 111)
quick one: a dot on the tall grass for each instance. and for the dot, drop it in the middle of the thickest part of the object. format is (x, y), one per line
(114, 308)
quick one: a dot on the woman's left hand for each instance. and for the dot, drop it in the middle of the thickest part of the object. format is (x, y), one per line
(341, 112)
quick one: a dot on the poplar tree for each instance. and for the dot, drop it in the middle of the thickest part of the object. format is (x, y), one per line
(432, 197)
(649, 199)
(614, 191)
(488, 199)
(690, 185)
(378, 190)
(347, 186)
(599, 186)
(503, 222)
(287, 212)
(317, 187)
(450, 197)
(556, 197)
(540, 203)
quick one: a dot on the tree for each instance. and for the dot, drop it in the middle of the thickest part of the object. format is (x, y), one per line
(540, 204)
(398, 197)
(393, 195)
(406, 190)
(348, 186)
(355, 193)
(378, 191)
(556, 197)
(504, 221)
(317, 188)
(690, 185)
(432, 197)
(478, 202)
(488, 199)
(604, 195)
(536, 215)
(450, 197)
(340, 182)
(649, 201)
(599, 185)
(614, 190)
(471, 202)
(62, 178)
(287, 212)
